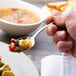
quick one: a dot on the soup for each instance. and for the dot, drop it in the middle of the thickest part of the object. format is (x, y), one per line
(20, 16)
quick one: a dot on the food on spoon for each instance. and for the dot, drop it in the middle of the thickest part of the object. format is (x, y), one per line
(5, 69)
(18, 45)
(19, 15)
(61, 6)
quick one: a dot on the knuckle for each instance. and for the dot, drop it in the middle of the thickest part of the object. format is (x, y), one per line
(59, 20)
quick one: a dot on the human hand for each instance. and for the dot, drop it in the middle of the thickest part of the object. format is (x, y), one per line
(63, 32)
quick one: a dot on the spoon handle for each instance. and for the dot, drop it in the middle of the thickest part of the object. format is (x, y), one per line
(67, 11)
(41, 30)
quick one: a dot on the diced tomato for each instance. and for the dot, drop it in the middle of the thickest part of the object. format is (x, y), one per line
(12, 40)
(0, 57)
(28, 38)
(19, 21)
(12, 48)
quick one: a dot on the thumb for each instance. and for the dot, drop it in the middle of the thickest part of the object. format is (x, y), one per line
(70, 23)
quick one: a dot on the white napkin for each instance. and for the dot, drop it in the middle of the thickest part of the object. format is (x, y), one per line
(56, 65)
(69, 65)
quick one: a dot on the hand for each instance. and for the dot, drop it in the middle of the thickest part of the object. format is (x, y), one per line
(63, 32)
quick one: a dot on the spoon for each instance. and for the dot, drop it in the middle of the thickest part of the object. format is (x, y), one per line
(32, 39)
(67, 11)
(36, 34)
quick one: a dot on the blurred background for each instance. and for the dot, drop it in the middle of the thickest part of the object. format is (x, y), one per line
(42, 2)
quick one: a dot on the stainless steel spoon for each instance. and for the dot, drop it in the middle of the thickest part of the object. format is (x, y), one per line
(67, 11)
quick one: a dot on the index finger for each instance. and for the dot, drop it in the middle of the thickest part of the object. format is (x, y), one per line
(49, 20)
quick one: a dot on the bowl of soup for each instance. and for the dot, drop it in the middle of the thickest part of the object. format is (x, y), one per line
(18, 17)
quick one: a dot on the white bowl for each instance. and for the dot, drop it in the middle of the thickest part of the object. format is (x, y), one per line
(19, 29)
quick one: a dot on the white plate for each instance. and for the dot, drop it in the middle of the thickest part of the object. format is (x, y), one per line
(20, 64)
(46, 12)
